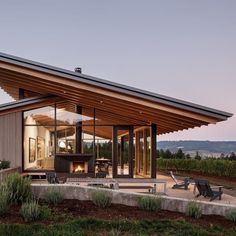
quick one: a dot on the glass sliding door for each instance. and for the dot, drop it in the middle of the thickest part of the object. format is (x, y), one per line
(122, 151)
(123, 155)
(143, 152)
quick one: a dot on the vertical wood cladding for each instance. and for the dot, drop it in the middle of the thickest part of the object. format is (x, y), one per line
(11, 138)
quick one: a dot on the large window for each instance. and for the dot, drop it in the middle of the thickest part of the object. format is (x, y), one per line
(59, 128)
(67, 128)
(39, 138)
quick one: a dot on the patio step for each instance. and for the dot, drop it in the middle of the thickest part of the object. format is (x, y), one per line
(36, 176)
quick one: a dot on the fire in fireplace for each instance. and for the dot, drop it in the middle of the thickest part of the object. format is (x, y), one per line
(78, 167)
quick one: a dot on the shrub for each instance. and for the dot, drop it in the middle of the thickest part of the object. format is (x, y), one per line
(54, 197)
(30, 211)
(148, 203)
(231, 215)
(101, 199)
(193, 210)
(4, 164)
(19, 188)
(4, 199)
(45, 212)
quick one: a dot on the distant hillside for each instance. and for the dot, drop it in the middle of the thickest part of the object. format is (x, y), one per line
(204, 147)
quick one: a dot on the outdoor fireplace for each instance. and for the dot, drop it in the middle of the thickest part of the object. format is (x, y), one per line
(79, 167)
(73, 163)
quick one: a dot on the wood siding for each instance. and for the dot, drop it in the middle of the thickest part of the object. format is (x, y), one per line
(11, 138)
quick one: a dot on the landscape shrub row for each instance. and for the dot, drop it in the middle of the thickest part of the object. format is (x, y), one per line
(16, 189)
(148, 203)
(31, 211)
(210, 167)
(101, 199)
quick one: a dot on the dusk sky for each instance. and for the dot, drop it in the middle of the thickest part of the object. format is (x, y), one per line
(180, 48)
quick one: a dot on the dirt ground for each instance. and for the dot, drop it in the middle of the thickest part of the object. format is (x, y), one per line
(75, 209)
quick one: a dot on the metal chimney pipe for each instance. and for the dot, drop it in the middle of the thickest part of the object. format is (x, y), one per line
(78, 70)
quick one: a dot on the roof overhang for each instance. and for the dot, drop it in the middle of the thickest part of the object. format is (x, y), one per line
(142, 107)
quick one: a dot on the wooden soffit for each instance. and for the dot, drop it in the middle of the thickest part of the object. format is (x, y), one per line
(122, 104)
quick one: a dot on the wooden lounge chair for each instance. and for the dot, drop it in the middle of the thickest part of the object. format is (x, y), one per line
(179, 184)
(206, 190)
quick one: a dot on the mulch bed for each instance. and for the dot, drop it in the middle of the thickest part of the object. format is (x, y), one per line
(78, 209)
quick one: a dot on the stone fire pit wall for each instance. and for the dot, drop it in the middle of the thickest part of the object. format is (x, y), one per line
(71, 191)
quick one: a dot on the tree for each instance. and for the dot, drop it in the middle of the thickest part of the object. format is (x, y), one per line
(187, 156)
(105, 149)
(197, 156)
(162, 154)
(222, 156)
(168, 154)
(158, 153)
(232, 156)
(179, 154)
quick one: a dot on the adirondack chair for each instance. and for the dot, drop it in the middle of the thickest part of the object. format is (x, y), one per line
(101, 175)
(52, 178)
(206, 190)
(179, 184)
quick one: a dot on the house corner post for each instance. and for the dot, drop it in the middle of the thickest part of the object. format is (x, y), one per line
(153, 150)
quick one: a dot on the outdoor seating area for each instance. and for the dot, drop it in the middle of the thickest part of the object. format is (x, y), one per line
(192, 192)
(179, 184)
(206, 190)
(199, 190)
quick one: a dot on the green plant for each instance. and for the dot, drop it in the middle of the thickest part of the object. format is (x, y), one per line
(4, 199)
(54, 196)
(19, 188)
(149, 203)
(45, 212)
(101, 199)
(230, 214)
(4, 164)
(92, 226)
(208, 166)
(30, 211)
(194, 210)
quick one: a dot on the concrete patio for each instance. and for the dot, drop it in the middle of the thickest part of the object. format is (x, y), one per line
(175, 193)
(188, 194)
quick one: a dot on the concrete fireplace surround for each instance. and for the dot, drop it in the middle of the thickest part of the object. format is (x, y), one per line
(64, 162)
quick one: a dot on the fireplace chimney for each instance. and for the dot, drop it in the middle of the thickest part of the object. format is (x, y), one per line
(78, 70)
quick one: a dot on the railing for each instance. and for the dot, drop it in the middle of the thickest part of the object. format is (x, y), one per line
(5, 172)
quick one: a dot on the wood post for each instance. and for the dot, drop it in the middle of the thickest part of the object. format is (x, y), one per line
(153, 150)
(78, 132)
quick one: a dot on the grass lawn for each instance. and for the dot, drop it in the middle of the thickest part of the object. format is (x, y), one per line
(90, 226)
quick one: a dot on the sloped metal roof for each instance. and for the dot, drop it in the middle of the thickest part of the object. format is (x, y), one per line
(71, 75)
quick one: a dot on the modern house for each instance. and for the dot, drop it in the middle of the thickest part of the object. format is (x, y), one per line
(65, 121)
